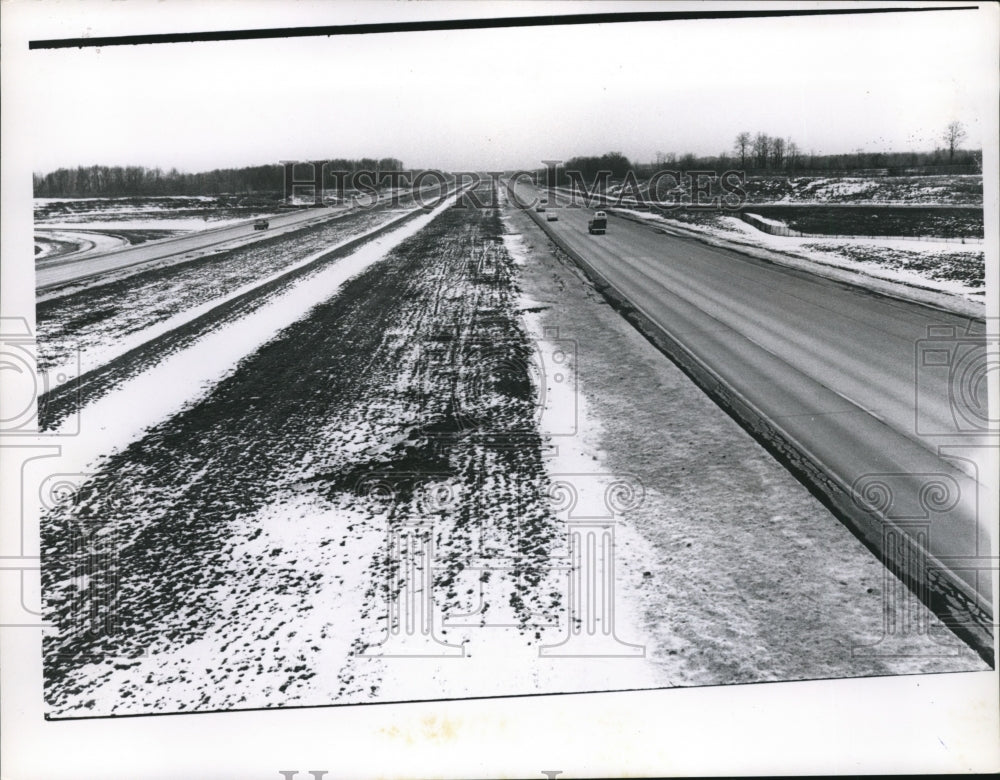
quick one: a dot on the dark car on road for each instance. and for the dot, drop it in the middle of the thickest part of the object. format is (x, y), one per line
(261, 224)
(598, 224)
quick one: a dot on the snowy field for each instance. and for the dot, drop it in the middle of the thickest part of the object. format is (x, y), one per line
(950, 190)
(393, 424)
(885, 190)
(119, 212)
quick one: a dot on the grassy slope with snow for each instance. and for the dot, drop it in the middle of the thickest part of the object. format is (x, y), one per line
(929, 190)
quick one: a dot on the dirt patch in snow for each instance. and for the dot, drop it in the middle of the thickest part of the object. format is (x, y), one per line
(244, 553)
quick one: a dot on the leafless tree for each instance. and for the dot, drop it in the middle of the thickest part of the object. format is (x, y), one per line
(954, 134)
(792, 151)
(761, 149)
(777, 151)
(742, 146)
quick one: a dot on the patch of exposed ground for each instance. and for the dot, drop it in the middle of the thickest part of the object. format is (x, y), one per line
(884, 221)
(243, 553)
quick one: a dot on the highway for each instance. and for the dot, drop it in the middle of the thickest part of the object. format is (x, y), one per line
(57, 272)
(49, 274)
(56, 403)
(845, 386)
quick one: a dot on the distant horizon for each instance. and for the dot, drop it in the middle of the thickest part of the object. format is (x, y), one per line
(540, 164)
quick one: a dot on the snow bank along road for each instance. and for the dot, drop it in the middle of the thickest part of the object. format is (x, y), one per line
(879, 405)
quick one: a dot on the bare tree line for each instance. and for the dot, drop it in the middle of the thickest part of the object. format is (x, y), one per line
(133, 180)
(763, 153)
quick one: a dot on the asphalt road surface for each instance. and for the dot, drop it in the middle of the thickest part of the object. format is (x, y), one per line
(56, 273)
(887, 396)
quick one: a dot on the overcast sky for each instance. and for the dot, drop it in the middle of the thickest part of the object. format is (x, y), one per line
(500, 99)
